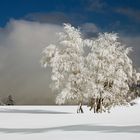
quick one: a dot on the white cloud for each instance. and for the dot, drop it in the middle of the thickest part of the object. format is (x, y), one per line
(21, 43)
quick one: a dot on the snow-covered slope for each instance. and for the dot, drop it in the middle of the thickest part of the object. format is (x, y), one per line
(63, 123)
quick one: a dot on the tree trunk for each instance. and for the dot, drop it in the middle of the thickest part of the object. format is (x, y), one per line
(94, 109)
(80, 110)
(99, 105)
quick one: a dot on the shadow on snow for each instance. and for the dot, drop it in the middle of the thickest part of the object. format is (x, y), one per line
(99, 128)
(32, 111)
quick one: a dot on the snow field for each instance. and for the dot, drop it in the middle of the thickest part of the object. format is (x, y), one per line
(62, 122)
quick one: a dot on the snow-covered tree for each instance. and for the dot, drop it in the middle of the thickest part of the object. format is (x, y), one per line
(67, 63)
(111, 71)
(99, 77)
(10, 100)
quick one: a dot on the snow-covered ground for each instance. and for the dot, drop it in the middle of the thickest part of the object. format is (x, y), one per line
(63, 123)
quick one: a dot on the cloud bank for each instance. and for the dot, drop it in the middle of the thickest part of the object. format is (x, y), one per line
(21, 75)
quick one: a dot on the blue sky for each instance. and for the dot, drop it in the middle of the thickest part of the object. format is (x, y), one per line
(109, 15)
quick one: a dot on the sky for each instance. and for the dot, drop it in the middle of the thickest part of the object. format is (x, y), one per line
(27, 26)
(107, 14)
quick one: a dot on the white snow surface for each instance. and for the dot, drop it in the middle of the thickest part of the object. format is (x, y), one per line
(63, 123)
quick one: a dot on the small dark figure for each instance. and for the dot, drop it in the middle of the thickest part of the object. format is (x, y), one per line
(10, 100)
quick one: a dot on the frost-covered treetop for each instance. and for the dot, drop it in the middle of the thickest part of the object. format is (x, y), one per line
(103, 73)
